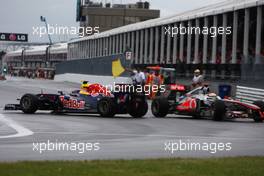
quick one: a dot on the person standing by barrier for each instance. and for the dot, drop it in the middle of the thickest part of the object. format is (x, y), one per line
(149, 83)
(157, 81)
(141, 77)
(138, 77)
(149, 80)
(197, 79)
(133, 77)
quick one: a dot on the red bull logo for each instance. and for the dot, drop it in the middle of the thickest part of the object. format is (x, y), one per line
(72, 103)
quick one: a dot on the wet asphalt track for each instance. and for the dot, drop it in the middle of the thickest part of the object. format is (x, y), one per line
(121, 137)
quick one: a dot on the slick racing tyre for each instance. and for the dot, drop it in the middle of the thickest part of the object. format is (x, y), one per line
(256, 115)
(197, 113)
(219, 110)
(29, 103)
(259, 104)
(138, 107)
(160, 107)
(106, 107)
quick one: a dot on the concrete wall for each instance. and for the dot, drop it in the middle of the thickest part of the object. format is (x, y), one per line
(104, 80)
(101, 66)
(97, 70)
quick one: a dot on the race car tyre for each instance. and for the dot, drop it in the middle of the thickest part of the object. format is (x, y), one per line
(219, 110)
(106, 107)
(256, 115)
(29, 103)
(138, 107)
(58, 110)
(257, 118)
(259, 104)
(197, 113)
(160, 107)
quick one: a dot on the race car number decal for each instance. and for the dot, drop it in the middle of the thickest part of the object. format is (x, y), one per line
(193, 104)
(72, 103)
(188, 105)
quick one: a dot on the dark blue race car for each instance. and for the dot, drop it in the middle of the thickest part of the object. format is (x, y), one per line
(95, 99)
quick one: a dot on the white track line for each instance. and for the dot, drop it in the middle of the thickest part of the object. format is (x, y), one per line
(150, 135)
(21, 131)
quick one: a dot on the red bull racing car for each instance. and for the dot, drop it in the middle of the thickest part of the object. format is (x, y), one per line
(201, 103)
(91, 98)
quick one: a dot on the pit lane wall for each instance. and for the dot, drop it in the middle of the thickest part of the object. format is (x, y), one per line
(104, 80)
(97, 70)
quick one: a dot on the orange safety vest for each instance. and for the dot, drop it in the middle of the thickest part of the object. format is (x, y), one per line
(161, 78)
(150, 79)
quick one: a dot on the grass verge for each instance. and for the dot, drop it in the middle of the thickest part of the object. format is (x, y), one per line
(241, 166)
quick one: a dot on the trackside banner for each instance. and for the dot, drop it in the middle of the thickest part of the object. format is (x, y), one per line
(13, 37)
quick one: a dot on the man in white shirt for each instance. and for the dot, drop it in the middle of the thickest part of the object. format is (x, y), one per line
(134, 74)
(139, 77)
(197, 79)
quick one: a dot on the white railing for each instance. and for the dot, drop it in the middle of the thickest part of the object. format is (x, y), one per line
(248, 94)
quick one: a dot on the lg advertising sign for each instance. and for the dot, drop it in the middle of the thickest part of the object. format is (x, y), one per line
(13, 37)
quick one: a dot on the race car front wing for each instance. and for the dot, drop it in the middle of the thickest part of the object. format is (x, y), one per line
(12, 107)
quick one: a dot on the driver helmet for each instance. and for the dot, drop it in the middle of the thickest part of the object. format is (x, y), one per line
(85, 85)
(85, 88)
(205, 89)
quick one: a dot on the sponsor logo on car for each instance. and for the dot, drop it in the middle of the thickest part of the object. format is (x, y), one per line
(72, 103)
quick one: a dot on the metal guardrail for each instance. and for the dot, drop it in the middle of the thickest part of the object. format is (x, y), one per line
(248, 94)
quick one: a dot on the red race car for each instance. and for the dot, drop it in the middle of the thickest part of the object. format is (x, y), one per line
(201, 103)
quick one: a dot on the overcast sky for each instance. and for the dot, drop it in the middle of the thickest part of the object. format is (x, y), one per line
(19, 16)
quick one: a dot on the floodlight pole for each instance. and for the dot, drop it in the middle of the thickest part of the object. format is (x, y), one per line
(43, 19)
